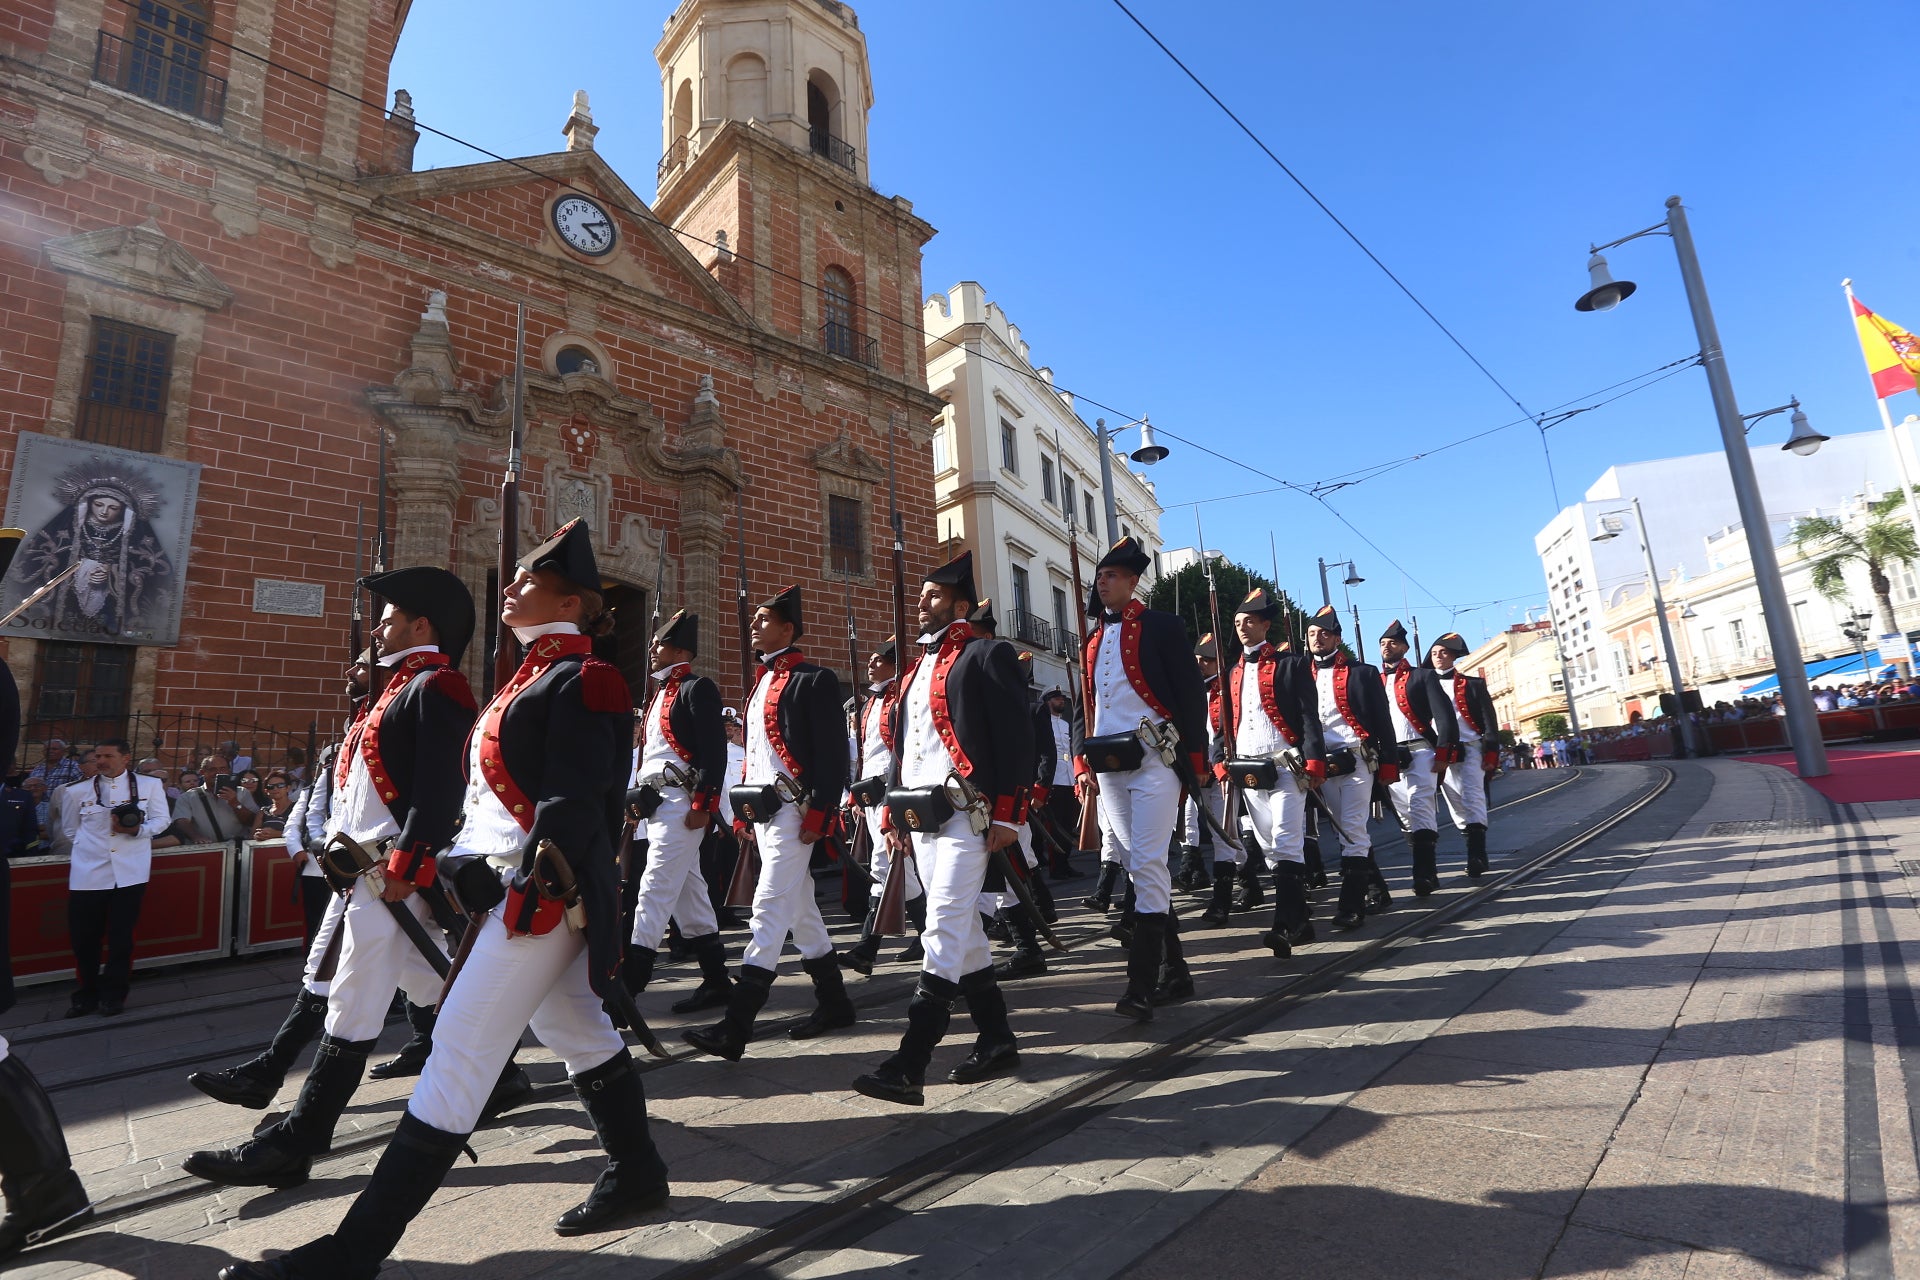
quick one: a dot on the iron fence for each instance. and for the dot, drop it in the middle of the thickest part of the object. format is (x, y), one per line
(839, 152)
(180, 740)
(844, 340)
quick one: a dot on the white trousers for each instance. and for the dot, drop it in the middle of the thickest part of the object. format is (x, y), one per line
(1137, 812)
(1350, 799)
(883, 854)
(1030, 860)
(672, 886)
(322, 940)
(1279, 819)
(1217, 805)
(376, 959)
(505, 985)
(1413, 794)
(1466, 788)
(783, 900)
(953, 861)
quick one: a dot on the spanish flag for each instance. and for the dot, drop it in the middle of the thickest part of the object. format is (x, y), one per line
(1893, 354)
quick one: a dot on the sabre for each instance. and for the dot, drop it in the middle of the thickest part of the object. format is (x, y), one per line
(351, 860)
(964, 796)
(553, 880)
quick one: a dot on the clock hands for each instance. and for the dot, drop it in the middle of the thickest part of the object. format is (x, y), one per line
(594, 229)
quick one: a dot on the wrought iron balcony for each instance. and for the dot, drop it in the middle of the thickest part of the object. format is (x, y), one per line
(844, 340)
(825, 144)
(1031, 629)
(146, 72)
(675, 157)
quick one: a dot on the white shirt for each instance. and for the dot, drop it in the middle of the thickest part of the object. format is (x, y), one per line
(762, 765)
(1334, 728)
(1447, 678)
(1255, 733)
(1117, 706)
(655, 751)
(1062, 752)
(875, 759)
(924, 758)
(487, 830)
(102, 857)
(736, 772)
(361, 814)
(1404, 730)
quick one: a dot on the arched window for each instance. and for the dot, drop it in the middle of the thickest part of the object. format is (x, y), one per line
(824, 120)
(683, 110)
(747, 88)
(836, 313)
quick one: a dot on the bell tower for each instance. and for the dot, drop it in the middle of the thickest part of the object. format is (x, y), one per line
(764, 169)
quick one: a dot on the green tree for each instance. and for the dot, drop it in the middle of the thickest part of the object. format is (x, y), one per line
(1880, 544)
(1185, 594)
(1551, 725)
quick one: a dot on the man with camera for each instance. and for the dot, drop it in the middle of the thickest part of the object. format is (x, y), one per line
(111, 819)
(217, 810)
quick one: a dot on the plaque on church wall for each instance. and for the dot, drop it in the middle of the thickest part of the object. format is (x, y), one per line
(114, 526)
(301, 599)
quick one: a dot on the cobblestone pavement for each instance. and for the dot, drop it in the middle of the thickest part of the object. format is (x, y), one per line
(1685, 1049)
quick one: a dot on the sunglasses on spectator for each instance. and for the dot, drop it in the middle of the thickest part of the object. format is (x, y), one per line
(276, 786)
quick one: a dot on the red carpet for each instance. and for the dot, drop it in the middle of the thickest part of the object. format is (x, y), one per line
(1861, 775)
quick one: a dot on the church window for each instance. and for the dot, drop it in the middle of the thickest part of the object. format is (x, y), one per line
(846, 535)
(163, 59)
(837, 332)
(123, 401)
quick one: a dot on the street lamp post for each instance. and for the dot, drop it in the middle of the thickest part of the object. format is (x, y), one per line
(1149, 452)
(1688, 746)
(1352, 579)
(1803, 722)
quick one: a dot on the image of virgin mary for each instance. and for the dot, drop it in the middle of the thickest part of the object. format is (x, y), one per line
(124, 581)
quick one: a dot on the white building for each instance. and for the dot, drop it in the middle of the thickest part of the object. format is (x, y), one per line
(1013, 466)
(1694, 527)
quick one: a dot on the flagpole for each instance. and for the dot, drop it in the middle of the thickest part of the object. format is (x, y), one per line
(1893, 441)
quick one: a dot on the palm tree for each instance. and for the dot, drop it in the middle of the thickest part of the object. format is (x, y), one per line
(1883, 543)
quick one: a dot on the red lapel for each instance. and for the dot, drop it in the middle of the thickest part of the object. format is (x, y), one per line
(1129, 659)
(403, 675)
(1269, 663)
(1460, 701)
(541, 654)
(669, 690)
(780, 671)
(1340, 673)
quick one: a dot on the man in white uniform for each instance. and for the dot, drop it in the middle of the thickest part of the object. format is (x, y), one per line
(1476, 759)
(1354, 730)
(1424, 726)
(111, 820)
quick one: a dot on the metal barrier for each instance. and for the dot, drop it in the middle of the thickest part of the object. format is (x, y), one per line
(187, 914)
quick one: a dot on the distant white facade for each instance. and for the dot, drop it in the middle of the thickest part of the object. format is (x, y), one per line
(1013, 466)
(1694, 527)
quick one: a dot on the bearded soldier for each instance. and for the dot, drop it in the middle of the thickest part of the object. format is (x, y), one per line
(683, 761)
(543, 797)
(796, 771)
(961, 727)
(1140, 680)
(1425, 726)
(1476, 757)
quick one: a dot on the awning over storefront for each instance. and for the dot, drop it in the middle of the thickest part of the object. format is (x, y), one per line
(1854, 665)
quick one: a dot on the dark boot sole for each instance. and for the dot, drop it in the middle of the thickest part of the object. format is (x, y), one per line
(1173, 992)
(704, 998)
(1138, 1010)
(398, 1069)
(1274, 942)
(857, 962)
(814, 1028)
(219, 1092)
(1348, 923)
(616, 1218)
(1002, 1066)
(881, 1091)
(220, 1175)
(714, 1045)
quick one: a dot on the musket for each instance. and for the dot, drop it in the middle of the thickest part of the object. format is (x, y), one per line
(380, 511)
(1220, 663)
(891, 920)
(505, 657)
(633, 825)
(855, 821)
(746, 624)
(356, 634)
(1088, 837)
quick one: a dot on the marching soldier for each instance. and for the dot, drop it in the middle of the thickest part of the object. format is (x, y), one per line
(1194, 875)
(400, 794)
(544, 796)
(1360, 747)
(796, 770)
(1147, 746)
(1476, 758)
(1425, 727)
(253, 1083)
(1278, 757)
(1061, 807)
(963, 735)
(1027, 960)
(869, 793)
(683, 761)
(1229, 864)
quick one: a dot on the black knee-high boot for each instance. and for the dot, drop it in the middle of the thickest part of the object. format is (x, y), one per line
(728, 1037)
(413, 1054)
(283, 1155)
(715, 988)
(1027, 958)
(1251, 893)
(1173, 982)
(1476, 849)
(1378, 898)
(902, 1077)
(1122, 930)
(1222, 904)
(253, 1083)
(832, 1009)
(1101, 899)
(1043, 896)
(994, 1051)
(44, 1196)
(1355, 877)
(916, 950)
(1426, 862)
(860, 956)
(1144, 955)
(635, 1179)
(1292, 916)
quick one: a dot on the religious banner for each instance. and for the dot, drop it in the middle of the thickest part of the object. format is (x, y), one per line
(120, 520)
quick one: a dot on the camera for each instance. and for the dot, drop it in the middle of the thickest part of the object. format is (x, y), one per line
(129, 813)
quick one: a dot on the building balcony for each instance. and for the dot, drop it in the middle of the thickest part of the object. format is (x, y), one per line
(1750, 661)
(171, 82)
(822, 143)
(844, 340)
(1032, 630)
(676, 157)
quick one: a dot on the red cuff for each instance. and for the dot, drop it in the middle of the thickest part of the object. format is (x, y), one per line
(1316, 769)
(1220, 772)
(886, 819)
(1080, 769)
(1489, 761)
(739, 828)
(1198, 763)
(815, 822)
(705, 801)
(1006, 809)
(1039, 794)
(414, 864)
(1389, 773)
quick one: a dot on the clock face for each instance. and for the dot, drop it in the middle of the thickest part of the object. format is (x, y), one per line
(583, 226)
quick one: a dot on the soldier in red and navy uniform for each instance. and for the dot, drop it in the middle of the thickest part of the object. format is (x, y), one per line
(1139, 669)
(1476, 757)
(683, 763)
(399, 792)
(1360, 747)
(794, 775)
(962, 710)
(547, 762)
(1426, 726)
(872, 766)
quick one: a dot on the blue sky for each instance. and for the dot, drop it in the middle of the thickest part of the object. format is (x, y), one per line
(1161, 265)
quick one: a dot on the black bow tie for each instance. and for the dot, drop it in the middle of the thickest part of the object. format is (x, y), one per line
(1327, 661)
(1110, 617)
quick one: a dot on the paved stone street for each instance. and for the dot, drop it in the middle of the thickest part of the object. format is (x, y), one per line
(1684, 1049)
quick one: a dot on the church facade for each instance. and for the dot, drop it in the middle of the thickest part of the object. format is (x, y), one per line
(223, 276)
